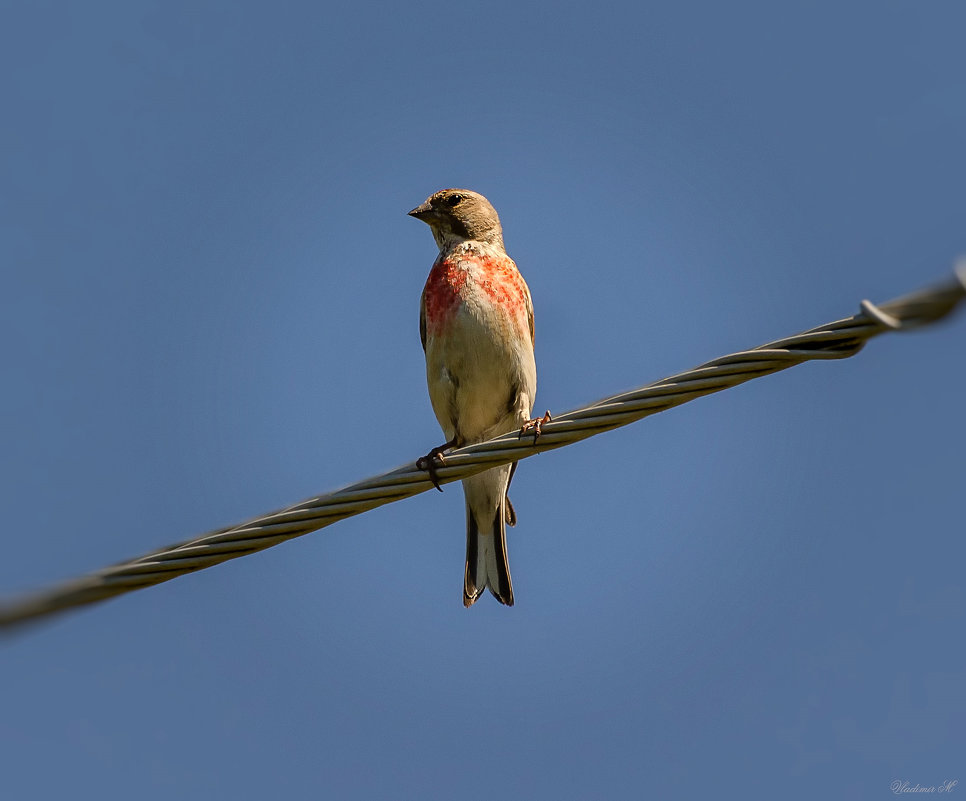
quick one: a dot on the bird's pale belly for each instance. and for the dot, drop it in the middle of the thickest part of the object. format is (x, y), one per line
(480, 383)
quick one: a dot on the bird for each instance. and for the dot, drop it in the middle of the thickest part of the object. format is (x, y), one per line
(476, 328)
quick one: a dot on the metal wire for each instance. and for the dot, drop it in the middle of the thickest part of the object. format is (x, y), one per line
(836, 340)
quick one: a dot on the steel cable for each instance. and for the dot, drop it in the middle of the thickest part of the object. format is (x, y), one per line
(836, 340)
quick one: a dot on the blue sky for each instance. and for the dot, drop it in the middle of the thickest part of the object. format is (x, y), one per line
(210, 311)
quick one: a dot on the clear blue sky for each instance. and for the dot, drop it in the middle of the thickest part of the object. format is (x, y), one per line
(209, 311)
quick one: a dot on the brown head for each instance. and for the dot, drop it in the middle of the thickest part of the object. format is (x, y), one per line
(456, 215)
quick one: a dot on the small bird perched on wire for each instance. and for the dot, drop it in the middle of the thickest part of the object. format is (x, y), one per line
(476, 326)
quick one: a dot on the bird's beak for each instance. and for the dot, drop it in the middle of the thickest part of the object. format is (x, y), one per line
(422, 212)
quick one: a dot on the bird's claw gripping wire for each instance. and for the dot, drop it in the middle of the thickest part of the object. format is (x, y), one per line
(431, 460)
(536, 424)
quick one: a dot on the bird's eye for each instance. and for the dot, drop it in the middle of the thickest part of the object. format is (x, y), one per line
(454, 200)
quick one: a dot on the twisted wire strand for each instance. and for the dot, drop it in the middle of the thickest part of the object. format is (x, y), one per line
(836, 340)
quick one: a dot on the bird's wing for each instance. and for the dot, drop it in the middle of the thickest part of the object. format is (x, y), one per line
(530, 317)
(422, 320)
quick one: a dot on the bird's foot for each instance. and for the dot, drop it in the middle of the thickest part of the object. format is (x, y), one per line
(431, 460)
(535, 425)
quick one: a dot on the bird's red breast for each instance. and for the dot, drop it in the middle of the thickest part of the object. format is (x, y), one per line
(493, 280)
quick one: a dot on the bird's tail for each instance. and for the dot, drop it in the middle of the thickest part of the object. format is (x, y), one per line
(486, 516)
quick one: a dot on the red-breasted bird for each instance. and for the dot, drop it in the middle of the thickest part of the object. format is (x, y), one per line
(476, 326)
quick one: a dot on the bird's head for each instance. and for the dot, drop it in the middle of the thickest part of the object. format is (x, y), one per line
(457, 215)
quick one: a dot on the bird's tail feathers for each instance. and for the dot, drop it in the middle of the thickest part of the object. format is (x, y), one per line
(486, 559)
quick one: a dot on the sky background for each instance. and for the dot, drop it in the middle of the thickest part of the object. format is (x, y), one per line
(209, 311)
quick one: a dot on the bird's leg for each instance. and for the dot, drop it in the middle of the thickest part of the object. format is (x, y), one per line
(536, 424)
(431, 459)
